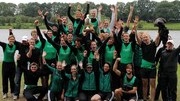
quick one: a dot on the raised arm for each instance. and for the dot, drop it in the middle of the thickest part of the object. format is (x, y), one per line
(56, 46)
(115, 66)
(139, 41)
(36, 22)
(102, 47)
(87, 10)
(129, 16)
(46, 22)
(99, 13)
(113, 17)
(157, 40)
(69, 14)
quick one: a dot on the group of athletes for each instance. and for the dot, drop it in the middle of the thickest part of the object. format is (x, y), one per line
(91, 60)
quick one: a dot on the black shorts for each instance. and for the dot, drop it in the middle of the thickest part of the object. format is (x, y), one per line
(129, 96)
(148, 73)
(106, 95)
(86, 95)
(71, 98)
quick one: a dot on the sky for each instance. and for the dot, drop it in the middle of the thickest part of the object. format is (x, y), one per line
(73, 1)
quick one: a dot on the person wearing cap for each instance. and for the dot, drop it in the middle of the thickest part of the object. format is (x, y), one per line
(21, 63)
(89, 80)
(168, 71)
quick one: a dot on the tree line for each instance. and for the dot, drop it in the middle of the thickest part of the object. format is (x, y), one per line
(147, 10)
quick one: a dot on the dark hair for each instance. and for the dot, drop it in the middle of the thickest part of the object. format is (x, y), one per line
(108, 64)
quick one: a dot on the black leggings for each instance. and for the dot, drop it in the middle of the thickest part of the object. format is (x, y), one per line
(8, 73)
(54, 96)
(29, 93)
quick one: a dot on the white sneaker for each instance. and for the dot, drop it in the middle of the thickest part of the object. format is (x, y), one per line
(15, 97)
(4, 96)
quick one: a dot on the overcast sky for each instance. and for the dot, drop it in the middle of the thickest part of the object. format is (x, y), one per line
(72, 1)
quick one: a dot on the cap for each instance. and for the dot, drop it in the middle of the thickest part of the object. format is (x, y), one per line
(24, 38)
(170, 41)
(89, 65)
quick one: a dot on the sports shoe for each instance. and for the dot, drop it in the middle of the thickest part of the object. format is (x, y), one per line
(15, 97)
(4, 96)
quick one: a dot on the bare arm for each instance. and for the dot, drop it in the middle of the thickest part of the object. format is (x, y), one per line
(29, 53)
(157, 40)
(133, 91)
(129, 16)
(115, 66)
(139, 41)
(99, 13)
(113, 17)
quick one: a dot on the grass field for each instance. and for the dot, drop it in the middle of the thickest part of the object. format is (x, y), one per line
(150, 26)
(10, 98)
(144, 26)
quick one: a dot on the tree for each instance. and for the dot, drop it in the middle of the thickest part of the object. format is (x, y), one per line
(164, 9)
(7, 9)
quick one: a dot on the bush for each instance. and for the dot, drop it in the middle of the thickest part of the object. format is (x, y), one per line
(140, 24)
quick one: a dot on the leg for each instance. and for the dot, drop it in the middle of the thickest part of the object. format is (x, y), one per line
(145, 85)
(109, 96)
(42, 90)
(82, 96)
(158, 89)
(138, 75)
(118, 94)
(11, 77)
(164, 86)
(96, 97)
(152, 85)
(172, 86)
(28, 94)
(51, 96)
(5, 77)
(17, 81)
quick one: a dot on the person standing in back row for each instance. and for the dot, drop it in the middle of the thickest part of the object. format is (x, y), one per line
(168, 74)
(8, 64)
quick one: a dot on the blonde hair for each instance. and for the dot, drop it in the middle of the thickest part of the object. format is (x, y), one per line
(33, 31)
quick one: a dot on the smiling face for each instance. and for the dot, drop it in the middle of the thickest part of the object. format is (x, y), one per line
(49, 33)
(32, 42)
(73, 69)
(111, 41)
(63, 43)
(169, 46)
(78, 14)
(11, 39)
(106, 23)
(146, 38)
(33, 67)
(126, 37)
(34, 34)
(106, 67)
(93, 46)
(129, 69)
(59, 66)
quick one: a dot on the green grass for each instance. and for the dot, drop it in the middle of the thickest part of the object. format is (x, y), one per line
(150, 26)
(144, 26)
(22, 99)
